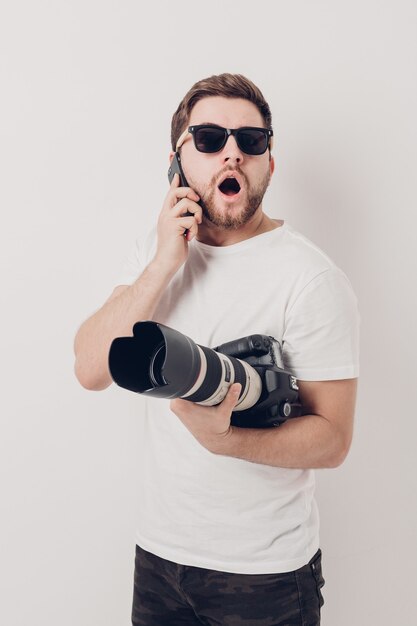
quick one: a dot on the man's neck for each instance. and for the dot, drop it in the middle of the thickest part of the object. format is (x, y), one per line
(214, 235)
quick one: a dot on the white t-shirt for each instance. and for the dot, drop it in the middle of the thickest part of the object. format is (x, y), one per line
(219, 512)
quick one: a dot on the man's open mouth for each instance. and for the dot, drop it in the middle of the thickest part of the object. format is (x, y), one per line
(229, 186)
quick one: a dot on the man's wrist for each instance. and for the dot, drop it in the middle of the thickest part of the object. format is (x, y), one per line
(160, 271)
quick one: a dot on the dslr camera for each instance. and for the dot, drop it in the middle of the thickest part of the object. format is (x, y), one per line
(161, 362)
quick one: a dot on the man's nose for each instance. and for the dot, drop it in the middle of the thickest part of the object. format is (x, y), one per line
(231, 152)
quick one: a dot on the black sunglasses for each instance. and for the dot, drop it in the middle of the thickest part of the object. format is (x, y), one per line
(211, 138)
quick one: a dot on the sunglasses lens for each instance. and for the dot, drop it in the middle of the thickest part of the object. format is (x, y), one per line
(209, 139)
(252, 141)
(212, 139)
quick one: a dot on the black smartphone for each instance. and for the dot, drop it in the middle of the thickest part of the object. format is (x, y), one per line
(175, 168)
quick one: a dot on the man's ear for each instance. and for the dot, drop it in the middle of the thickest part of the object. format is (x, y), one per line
(171, 156)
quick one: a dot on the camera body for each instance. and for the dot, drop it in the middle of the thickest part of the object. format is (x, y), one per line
(279, 399)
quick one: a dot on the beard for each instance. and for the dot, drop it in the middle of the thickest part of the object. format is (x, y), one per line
(227, 218)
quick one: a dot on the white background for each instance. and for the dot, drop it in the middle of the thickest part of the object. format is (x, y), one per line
(88, 89)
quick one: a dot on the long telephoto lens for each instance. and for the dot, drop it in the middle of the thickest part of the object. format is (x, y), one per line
(162, 362)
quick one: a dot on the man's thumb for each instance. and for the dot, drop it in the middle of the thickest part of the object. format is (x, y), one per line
(233, 393)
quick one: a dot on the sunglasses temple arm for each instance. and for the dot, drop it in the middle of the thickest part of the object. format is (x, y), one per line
(181, 139)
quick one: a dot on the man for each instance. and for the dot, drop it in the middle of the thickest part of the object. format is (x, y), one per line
(228, 532)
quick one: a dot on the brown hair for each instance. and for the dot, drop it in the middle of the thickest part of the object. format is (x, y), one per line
(226, 85)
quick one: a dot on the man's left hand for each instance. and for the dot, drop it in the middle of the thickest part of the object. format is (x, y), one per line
(210, 425)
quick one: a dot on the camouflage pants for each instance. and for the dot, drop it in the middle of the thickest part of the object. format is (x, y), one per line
(168, 594)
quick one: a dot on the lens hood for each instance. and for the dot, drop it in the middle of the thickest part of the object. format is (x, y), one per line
(157, 361)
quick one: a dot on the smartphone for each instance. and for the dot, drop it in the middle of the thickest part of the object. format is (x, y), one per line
(175, 168)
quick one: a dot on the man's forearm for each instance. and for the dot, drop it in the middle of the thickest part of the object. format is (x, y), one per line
(306, 442)
(115, 318)
(317, 440)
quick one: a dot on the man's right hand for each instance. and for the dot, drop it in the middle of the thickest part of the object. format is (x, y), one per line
(130, 303)
(175, 228)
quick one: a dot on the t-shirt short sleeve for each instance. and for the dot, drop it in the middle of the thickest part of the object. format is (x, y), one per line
(321, 336)
(138, 258)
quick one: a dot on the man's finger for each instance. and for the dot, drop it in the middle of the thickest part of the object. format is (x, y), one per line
(185, 205)
(175, 182)
(232, 396)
